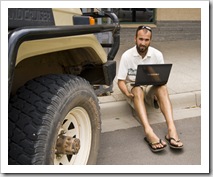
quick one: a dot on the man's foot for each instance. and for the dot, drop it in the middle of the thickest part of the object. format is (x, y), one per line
(174, 143)
(155, 146)
(153, 141)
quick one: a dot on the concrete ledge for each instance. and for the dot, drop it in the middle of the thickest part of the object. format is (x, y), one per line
(188, 99)
(118, 111)
(156, 116)
(182, 100)
(117, 115)
(198, 98)
(115, 109)
(120, 115)
(184, 105)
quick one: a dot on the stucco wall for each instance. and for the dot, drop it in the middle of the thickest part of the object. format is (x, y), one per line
(173, 14)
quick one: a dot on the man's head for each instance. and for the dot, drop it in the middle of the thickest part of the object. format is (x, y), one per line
(142, 39)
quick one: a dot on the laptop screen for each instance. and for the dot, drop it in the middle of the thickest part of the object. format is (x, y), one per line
(153, 74)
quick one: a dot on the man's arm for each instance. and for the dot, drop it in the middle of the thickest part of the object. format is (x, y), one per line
(122, 86)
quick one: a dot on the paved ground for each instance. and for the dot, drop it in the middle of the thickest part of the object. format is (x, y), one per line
(127, 147)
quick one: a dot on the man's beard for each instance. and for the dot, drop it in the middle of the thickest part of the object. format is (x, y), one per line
(142, 48)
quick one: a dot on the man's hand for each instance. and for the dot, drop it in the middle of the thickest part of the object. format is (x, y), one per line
(123, 88)
(130, 95)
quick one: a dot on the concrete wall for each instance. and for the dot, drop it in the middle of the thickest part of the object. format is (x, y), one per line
(178, 14)
(177, 24)
(170, 24)
(167, 31)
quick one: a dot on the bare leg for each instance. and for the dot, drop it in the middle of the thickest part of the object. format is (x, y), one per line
(166, 109)
(141, 111)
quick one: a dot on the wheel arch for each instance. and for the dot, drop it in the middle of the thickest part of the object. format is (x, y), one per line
(19, 36)
(58, 55)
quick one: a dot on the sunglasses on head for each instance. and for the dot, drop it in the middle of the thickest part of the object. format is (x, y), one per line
(145, 27)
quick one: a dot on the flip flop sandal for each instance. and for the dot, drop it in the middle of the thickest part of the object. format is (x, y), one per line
(155, 143)
(174, 146)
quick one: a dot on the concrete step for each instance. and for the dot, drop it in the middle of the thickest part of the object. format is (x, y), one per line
(121, 114)
(179, 101)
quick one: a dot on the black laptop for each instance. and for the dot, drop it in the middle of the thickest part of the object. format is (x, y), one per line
(152, 74)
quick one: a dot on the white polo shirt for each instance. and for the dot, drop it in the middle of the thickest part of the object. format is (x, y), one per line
(131, 59)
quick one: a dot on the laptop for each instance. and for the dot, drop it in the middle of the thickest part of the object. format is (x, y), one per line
(152, 74)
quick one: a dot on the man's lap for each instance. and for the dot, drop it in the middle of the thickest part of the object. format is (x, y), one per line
(149, 93)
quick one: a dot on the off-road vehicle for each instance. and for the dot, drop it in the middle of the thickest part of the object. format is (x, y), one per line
(56, 68)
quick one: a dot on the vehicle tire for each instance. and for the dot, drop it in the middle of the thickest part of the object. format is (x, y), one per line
(42, 109)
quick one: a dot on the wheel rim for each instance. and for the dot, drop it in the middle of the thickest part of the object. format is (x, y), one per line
(77, 125)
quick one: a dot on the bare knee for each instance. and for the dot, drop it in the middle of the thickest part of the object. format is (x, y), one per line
(138, 92)
(161, 91)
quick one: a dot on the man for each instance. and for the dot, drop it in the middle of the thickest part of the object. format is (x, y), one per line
(143, 53)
